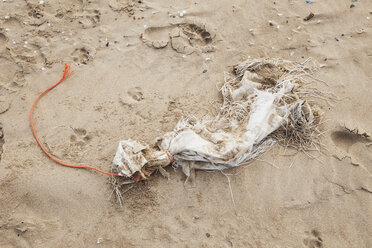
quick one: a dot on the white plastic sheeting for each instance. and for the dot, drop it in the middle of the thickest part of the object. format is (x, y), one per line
(255, 104)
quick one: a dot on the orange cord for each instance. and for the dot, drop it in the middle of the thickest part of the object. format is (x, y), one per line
(65, 75)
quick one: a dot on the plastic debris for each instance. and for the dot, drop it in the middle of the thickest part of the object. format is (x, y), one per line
(263, 103)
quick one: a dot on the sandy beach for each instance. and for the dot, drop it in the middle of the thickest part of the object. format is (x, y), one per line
(136, 73)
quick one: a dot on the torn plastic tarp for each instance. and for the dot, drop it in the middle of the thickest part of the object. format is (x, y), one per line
(259, 98)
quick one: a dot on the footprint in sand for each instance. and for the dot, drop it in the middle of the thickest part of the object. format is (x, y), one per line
(132, 96)
(28, 53)
(67, 143)
(185, 37)
(83, 55)
(157, 37)
(80, 138)
(313, 240)
(36, 13)
(129, 7)
(136, 93)
(7, 69)
(354, 145)
(190, 37)
(90, 20)
(23, 230)
(11, 73)
(345, 139)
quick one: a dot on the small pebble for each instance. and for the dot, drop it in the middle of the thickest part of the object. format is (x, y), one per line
(208, 235)
(303, 57)
(42, 68)
(107, 44)
(6, 17)
(308, 1)
(337, 39)
(4, 1)
(204, 71)
(292, 53)
(26, 42)
(342, 34)
(41, 2)
(309, 17)
(352, 6)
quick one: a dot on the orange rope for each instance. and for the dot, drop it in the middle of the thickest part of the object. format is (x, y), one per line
(65, 75)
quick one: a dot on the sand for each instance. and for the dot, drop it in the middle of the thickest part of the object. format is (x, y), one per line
(136, 74)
